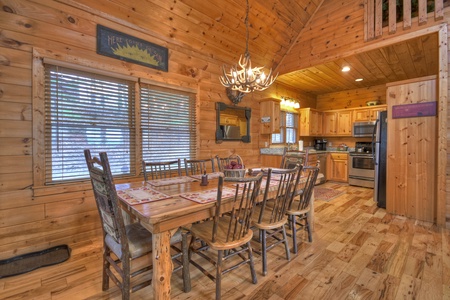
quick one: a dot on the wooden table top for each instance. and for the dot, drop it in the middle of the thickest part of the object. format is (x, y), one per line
(162, 211)
(171, 213)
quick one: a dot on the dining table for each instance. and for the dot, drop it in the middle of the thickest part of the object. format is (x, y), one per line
(162, 206)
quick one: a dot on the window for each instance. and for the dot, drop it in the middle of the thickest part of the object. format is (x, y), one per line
(85, 110)
(288, 129)
(168, 121)
(89, 109)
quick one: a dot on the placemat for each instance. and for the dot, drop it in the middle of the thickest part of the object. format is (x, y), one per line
(210, 175)
(141, 195)
(208, 195)
(171, 180)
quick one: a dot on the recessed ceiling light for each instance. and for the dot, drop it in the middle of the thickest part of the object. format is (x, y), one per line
(345, 69)
(358, 79)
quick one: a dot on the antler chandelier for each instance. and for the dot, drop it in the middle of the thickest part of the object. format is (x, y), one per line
(246, 79)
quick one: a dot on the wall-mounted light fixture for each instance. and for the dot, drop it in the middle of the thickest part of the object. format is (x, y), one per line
(289, 102)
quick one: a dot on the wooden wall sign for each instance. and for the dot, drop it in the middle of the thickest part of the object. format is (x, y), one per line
(413, 110)
(128, 48)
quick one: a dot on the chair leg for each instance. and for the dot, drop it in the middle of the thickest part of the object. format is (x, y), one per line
(264, 250)
(219, 274)
(286, 244)
(185, 258)
(294, 233)
(106, 266)
(252, 265)
(308, 228)
(126, 280)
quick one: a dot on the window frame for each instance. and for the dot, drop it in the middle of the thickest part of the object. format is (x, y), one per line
(283, 128)
(41, 57)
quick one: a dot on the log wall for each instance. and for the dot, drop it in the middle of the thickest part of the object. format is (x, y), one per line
(35, 217)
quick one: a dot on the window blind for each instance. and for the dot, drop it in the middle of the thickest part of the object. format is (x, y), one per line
(288, 129)
(87, 111)
(168, 124)
(291, 126)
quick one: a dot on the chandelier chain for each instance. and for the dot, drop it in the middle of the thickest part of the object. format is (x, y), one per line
(247, 54)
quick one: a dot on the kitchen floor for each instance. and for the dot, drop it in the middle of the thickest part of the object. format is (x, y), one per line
(358, 252)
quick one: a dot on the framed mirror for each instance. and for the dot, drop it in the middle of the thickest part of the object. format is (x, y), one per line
(232, 123)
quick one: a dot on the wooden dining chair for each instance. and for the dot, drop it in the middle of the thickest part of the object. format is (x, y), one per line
(199, 166)
(161, 169)
(290, 159)
(223, 162)
(228, 232)
(123, 243)
(300, 207)
(270, 216)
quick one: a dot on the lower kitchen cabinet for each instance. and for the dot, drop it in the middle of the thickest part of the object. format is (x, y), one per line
(337, 167)
(273, 161)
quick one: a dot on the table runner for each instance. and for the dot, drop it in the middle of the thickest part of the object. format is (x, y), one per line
(210, 175)
(208, 195)
(141, 195)
(273, 183)
(171, 180)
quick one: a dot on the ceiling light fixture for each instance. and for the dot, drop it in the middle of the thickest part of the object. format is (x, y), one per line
(358, 79)
(290, 103)
(345, 69)
(245, 79)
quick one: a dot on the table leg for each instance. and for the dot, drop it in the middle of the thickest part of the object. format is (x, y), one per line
(162, 265)
(310, 214)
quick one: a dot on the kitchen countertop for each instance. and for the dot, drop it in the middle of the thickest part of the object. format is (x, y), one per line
(280, 150)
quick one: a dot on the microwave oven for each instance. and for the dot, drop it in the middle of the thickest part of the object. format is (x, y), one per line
(363, 129)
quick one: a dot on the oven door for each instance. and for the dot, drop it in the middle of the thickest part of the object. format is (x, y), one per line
(361, 166)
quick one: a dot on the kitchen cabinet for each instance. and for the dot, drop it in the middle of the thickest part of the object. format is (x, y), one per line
(310, 122)
(337, 123)
(270, 116)
(337, 167)
(329, 123)
(367, 113)
(273, 161)
(344, 122)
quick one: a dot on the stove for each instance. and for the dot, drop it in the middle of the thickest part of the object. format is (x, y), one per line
(362, 149)
(361, 168)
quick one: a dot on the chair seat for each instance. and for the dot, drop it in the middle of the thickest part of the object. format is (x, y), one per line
(298, 212)
(139, 241)
(265, 221)
(204, 232)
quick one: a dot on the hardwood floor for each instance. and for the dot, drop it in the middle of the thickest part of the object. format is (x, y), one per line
(358, 252)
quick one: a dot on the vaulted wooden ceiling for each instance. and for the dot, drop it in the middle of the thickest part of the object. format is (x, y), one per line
(216, 28)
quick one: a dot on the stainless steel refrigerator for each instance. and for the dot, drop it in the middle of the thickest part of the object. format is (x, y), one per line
(379, 142)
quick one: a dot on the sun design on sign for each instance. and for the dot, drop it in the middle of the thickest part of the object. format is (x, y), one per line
(135, 53)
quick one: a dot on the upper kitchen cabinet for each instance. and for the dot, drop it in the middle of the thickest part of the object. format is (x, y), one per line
(270, 116)
(367, 113)
(310, 122)
(337, 123)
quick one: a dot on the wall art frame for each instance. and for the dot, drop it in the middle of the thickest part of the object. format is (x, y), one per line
(125, 47)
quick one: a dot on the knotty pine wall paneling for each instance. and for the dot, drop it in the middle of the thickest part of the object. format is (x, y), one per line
(351, 98)
(35, 217)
